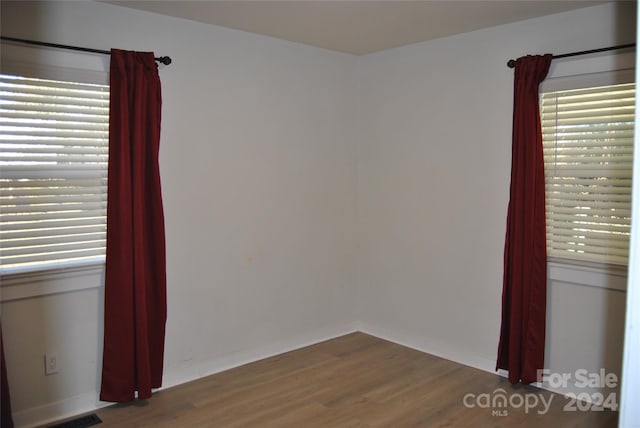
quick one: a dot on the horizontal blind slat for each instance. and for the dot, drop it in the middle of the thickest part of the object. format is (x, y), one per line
(575, 199)
(561, 212)
(574, 137)
(566, 226)
(54, 132)
(67, 246)
(25, 213)
(54, 160)
(91, 93)
(59, 170)
(55, 108)
(7, 220)
(54, 183)
(59, 238)
(55, 222)
(18, 80)
(61, 151)
(620, 251)
(79, 102)
(35, 114)
(13, 140)
(50, 191)
(48, 232)
(9, 122)
(56, 256)
(548, 118)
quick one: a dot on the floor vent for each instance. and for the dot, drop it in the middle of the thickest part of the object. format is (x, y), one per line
(81, 422)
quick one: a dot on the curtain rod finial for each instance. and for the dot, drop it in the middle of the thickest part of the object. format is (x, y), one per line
(511, 63)
(164, 59)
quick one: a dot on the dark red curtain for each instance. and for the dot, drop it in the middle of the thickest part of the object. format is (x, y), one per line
(6, 419)
(135, 278)
(524, 293)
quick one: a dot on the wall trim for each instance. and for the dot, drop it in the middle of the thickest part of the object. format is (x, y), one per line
(53, 281)
(608, 277)
(57, 411)
(459, 356)
(423, 344)
(173, 376)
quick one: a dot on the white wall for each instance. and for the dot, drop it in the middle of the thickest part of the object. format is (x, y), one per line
(258, 175)
(307, 190)
(433, 185)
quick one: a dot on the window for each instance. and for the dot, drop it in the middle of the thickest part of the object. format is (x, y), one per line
(588, 152)
(53, 173)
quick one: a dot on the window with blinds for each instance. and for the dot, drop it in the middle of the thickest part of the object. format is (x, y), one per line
(53, 173)
(588, 151)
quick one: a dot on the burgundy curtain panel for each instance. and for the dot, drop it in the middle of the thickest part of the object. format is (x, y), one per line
(524, 293)
(135, 308)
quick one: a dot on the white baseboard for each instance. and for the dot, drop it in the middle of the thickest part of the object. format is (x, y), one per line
(52, 412)
(88, 402)
(480, 362)
(179, 375)
(426, 345)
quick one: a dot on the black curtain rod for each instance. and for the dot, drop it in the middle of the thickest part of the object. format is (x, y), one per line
(512, 63)
(163, 59)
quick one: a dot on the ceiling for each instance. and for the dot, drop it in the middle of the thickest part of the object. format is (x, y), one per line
(357, 27)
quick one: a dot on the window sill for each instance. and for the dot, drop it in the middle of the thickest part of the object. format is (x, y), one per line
(611, 277)
(54, 281)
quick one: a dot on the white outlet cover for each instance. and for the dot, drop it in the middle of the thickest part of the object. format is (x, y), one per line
(50, 363)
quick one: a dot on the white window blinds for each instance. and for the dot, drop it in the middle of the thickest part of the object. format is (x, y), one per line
(588, 150)
(53, 173)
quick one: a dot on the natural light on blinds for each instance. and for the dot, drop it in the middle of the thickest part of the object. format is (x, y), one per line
(588, 149)
(53, 173)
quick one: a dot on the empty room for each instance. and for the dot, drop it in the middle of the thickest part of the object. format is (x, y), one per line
(318, 214)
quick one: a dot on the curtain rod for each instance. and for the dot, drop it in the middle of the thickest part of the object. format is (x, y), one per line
(512, 63)
(163, 59)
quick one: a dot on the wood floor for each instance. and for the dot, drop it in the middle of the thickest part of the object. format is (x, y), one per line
(352, 381)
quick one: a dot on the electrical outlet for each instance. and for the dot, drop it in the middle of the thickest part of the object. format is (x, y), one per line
(50, 363)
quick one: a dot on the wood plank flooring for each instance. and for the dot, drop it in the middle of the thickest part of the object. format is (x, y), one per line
(354, 381)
